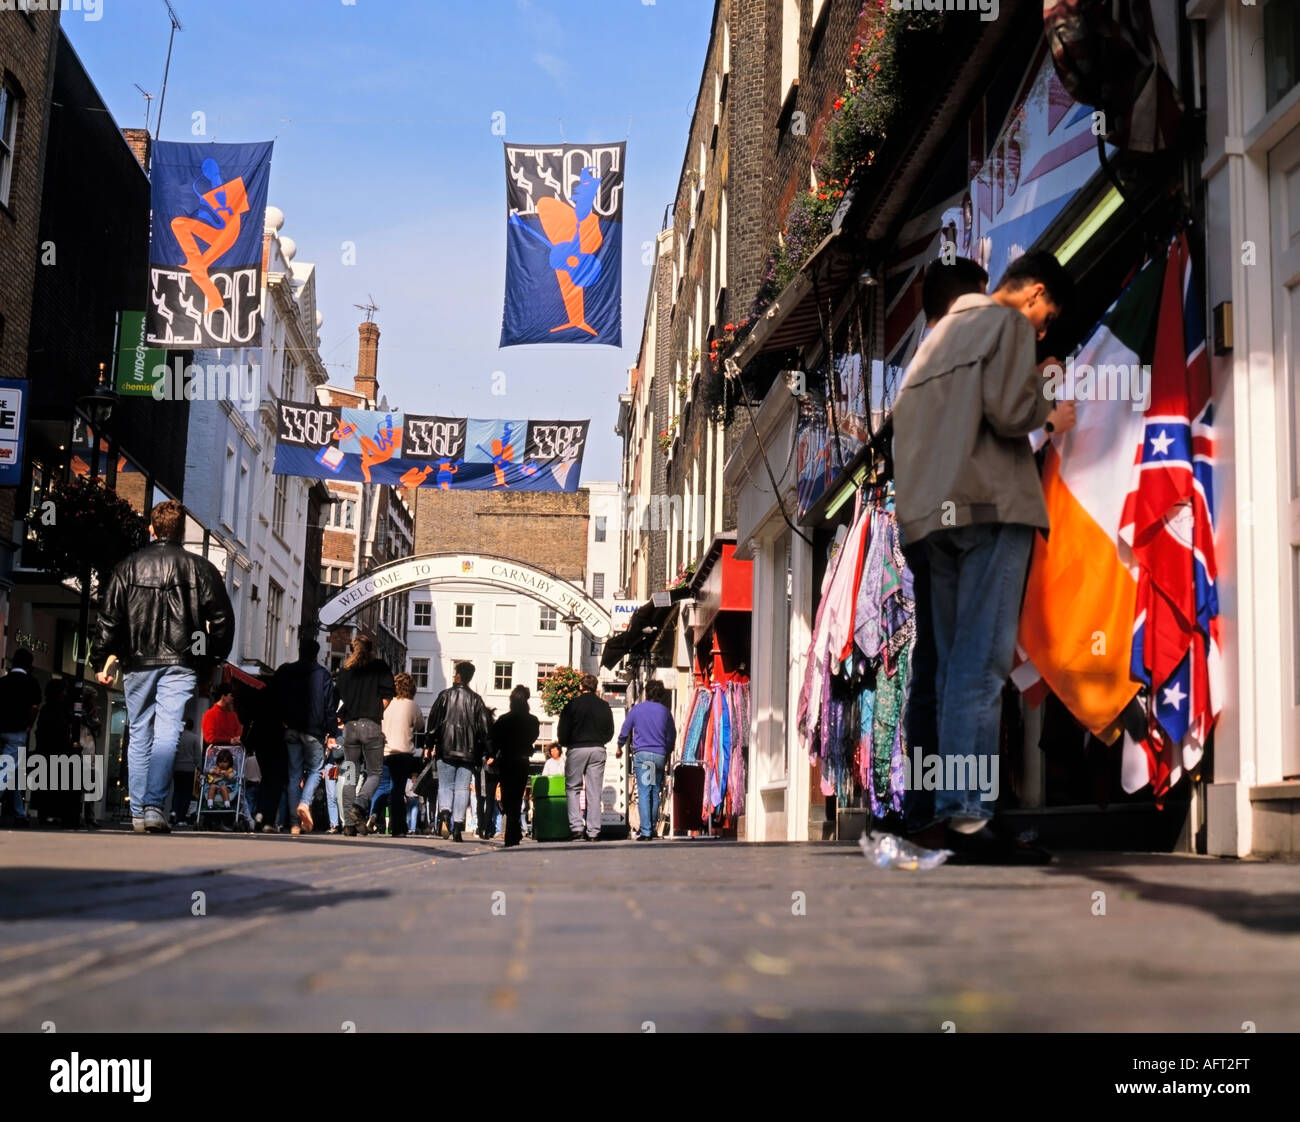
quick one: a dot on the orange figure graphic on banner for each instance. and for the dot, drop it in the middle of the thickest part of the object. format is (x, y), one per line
(573, 236)
(415, 476)
(223, 206)
(385, 445)
(502, 455)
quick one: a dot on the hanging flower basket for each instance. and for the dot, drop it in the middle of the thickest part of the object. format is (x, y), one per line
(561, 686)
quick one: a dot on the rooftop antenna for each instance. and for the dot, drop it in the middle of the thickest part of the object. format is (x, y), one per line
(162, 100)
(148, 98)
(370, 309)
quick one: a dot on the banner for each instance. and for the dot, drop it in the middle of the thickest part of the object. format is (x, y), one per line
(205, 253)
(136, 363)
(564, 244)
(396, 449)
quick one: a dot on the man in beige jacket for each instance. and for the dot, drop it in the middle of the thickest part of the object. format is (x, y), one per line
(968, 490)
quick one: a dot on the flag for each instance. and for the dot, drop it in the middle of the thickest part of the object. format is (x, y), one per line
(205, 249)
(1076, 625)
(564, 244)
(1168, 522)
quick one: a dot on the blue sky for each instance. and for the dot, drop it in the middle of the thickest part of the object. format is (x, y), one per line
(382, 114)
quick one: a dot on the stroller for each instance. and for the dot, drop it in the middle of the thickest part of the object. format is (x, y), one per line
(221, 791)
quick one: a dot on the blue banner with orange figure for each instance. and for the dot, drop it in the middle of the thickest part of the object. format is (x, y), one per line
(205, 249)
(396, 449)
(564, 244)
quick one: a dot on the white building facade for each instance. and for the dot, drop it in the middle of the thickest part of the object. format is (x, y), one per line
(258, 520)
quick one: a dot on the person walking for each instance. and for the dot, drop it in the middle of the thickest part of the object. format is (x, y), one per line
(330, 774)
(189, 762)
(309, 707)
(166, 615)
(460, 738)
(967, 486)
(20, 699)
(586, 726)
(56, 742)
(402, 721)
(650, 728)
(365, 688)
(264, 741)
(513, 737)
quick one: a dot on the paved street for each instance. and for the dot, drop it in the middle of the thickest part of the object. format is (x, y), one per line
(97, 933)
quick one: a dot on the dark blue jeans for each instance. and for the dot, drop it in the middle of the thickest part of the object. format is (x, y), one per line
(977, 579)
(649, 768)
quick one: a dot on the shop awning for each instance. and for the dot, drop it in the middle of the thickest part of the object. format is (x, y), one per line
(721, 583)
(644, 628)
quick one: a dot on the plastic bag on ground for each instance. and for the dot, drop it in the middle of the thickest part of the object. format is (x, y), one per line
(888, 851)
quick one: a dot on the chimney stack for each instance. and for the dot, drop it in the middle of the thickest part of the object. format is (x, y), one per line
(140, 143)
(367, 379)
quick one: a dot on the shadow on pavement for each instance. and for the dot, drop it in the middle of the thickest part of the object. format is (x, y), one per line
(42, 893)
(1275, 912)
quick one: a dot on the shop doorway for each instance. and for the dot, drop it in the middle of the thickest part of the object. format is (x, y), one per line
(1284, 203)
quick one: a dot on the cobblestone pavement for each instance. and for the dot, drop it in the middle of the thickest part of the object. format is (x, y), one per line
(99, 933)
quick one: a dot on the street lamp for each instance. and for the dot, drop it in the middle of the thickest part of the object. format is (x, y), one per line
(572, 622)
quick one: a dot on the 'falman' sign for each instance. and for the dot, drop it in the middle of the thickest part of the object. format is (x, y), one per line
(462, 568)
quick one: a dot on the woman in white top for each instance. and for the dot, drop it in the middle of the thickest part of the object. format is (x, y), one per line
(554, 761)
(402, 720)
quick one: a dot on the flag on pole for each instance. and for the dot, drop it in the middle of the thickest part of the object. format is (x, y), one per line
(1077, 622)
(1168, 522)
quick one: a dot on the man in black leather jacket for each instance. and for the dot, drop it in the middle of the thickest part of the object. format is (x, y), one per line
(460, 737)
(165, 616)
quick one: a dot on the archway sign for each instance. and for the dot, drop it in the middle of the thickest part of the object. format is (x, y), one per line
(432, 569)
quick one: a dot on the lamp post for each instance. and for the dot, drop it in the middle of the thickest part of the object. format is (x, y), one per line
(98, 406)
(572, 622)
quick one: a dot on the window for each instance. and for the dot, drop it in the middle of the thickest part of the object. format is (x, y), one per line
(549, 620)
(503, 674)
(507, 619)
(274, 621)
(464, 616)
(423, 615)
(286, 383)
(789, 48)
(602, 527)
(597, 585)
(9, 99)
(336, 662)
(544, 671)
(228, 484)
(546, 731)
(420, 673)
(349, 514)
(241, 490)
(279, 505)
(1282, 55)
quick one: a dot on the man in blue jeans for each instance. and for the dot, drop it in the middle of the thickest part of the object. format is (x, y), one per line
(165, 616)
(649, 726)
(309, 708)
(968, 489)
(460, 736)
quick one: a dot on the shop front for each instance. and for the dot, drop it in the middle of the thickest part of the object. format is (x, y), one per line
(1008, 163)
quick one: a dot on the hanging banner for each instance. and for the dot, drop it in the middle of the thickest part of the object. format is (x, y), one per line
(136, 363)
(396, 449)
(205, 253)
(564, 244)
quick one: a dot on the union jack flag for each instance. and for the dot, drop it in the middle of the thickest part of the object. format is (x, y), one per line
(1168, 522)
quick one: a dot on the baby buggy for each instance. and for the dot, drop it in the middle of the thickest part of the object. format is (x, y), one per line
(221, 791)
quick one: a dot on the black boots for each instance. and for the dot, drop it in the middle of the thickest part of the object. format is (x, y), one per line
(458, 832)
(444, 824)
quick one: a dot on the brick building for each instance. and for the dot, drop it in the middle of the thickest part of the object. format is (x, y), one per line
(544, 528)
(365, 526)
(28, 46)
(772, 71)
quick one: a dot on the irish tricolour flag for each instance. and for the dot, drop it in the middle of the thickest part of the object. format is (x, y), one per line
(1076, 627)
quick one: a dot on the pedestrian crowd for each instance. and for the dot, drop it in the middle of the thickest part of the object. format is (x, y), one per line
(261, 755)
